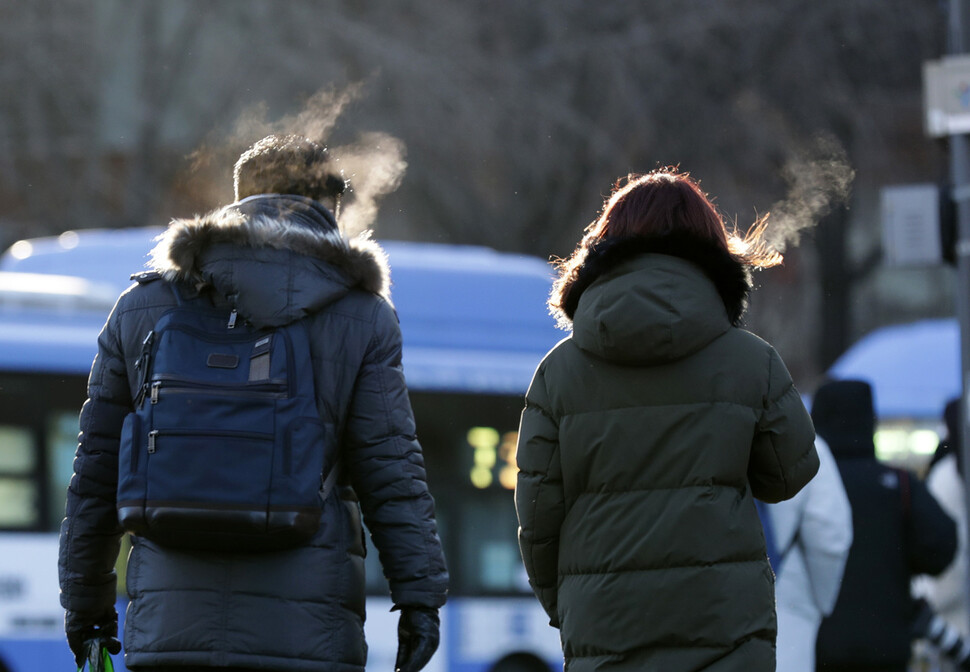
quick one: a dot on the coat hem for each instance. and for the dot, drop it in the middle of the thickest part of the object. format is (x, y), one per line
(222, 659)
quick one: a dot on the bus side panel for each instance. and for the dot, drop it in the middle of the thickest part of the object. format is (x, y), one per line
(31, 617)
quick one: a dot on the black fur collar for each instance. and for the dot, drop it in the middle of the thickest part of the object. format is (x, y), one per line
(731, 277)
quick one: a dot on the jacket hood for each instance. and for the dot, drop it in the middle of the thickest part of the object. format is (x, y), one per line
(844, 416)
(275, 257)
(651, 300)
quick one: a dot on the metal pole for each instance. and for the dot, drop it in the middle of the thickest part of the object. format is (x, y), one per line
(960, 176)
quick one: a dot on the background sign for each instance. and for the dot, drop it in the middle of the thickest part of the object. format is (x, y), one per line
(946, 92)
(911, 224)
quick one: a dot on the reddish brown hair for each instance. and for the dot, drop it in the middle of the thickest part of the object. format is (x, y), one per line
(660, 203)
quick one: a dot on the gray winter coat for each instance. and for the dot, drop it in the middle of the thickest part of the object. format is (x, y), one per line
(277, 259)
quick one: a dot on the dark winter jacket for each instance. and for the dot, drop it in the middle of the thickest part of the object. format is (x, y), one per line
(645, 437)
(276, 259)
(899, 531)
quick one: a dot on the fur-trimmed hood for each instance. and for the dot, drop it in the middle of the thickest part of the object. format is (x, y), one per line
(275, 257)
(649, 300)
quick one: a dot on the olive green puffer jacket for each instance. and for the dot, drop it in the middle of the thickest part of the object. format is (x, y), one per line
(645, 437)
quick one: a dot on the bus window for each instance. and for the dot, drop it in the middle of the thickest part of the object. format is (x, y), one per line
(468, 442)
(38, 436)
(19, 491)
(62, 431)
(481, 548)
(489, 553)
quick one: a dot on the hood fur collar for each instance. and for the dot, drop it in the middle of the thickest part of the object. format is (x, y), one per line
(296, 228)
(731, 277)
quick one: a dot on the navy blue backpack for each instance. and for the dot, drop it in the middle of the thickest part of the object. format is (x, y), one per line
(225, 449)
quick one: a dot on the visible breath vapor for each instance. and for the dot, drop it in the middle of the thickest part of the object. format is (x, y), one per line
(315, 121)
(817, 179)
(374, 164)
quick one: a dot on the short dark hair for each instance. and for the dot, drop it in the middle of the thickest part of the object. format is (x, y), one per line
(287, 164)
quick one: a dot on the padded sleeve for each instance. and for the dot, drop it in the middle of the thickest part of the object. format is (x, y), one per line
(783, 457)
(90, 537)
(387, 472)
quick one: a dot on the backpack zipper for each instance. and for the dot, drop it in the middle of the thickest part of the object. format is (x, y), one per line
(175, 386)
(154, 434)
(290, 363)
(209, 337)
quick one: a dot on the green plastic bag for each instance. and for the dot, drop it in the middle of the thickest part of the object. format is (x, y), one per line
(97, 657)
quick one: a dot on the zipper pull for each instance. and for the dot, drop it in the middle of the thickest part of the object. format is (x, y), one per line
(141, 396)
(155, 387)
(151, 440)
(146, 347)
(232, 320)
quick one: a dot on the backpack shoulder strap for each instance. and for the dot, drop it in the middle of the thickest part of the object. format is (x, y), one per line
(176, 293)
(183, 297)
(186, 295)
(146, 277)
(144, 362)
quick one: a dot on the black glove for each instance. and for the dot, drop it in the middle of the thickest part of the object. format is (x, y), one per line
(417, 638)
(80, 630)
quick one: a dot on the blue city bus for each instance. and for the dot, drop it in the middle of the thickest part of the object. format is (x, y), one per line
(474, 328)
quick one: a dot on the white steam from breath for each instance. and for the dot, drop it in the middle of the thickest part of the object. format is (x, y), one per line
(374, 164)
(818, 177)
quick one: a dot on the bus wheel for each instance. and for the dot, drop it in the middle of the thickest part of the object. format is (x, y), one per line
(520, 662)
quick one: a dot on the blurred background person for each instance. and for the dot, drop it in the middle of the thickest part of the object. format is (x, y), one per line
(899, 531)
(813, 533)
(946, 594)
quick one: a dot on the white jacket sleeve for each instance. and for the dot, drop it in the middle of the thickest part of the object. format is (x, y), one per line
(825, 531)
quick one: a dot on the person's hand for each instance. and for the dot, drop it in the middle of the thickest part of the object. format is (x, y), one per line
(417, 637)
(81, 630)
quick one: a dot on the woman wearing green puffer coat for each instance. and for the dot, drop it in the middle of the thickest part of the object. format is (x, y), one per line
(646, 436)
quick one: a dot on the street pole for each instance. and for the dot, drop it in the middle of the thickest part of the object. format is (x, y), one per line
(960, 176)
